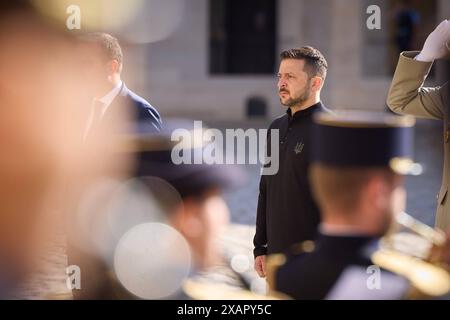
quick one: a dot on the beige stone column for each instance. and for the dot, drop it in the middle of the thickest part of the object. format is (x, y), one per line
(350, 88)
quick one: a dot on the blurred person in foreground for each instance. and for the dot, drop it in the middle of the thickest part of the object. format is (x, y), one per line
(201, 215)
(408, 95)
(359, 160)
(191, 205)
(43, 107)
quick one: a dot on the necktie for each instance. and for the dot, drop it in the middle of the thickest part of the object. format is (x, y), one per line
(94, 118)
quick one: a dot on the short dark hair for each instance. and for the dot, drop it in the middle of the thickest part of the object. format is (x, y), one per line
(108, 43)
(342, 187)
(315, 63)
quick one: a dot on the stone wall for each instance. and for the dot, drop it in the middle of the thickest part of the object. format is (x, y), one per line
(173, 73)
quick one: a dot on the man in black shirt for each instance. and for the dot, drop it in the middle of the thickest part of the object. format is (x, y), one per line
(287, 213)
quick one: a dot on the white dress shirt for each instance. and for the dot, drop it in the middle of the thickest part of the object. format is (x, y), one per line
(108, 98)
(105, 101)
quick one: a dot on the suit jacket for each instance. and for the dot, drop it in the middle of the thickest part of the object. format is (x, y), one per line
(141, 109)
(408, 95)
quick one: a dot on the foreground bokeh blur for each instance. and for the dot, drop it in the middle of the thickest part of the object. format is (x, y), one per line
(44, 162)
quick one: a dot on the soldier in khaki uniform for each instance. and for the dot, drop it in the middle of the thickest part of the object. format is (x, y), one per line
(407, 95)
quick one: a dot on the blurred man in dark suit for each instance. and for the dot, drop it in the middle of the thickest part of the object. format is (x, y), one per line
(186, 199)
(43, 162)
(112, 98)
(101, 59)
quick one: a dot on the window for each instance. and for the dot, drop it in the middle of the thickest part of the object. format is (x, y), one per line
(242, 36)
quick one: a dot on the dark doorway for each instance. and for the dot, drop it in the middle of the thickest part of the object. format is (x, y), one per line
(242, 36)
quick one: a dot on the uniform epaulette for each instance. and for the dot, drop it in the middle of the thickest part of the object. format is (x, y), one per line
(302, 247)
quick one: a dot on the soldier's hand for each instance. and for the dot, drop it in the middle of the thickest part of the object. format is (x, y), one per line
(435, 46)
(260, 266)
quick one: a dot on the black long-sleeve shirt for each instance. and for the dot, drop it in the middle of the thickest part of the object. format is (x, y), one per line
(287, 213)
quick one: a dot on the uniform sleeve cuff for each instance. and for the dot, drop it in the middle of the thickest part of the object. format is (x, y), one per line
(260, 251)
(407, 62)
